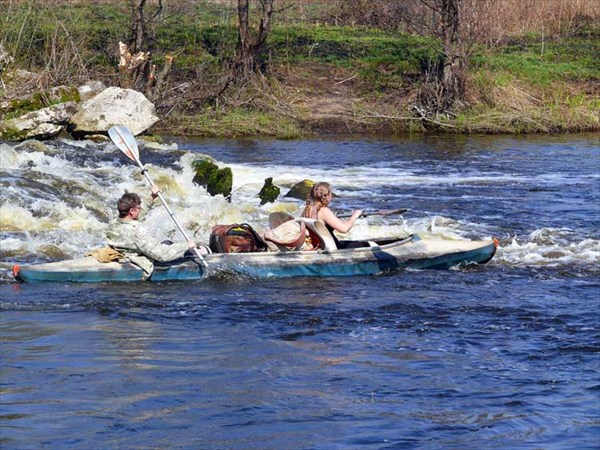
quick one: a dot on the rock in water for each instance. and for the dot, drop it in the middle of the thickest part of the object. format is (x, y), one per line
(217, 181)
(40, 124)
(269, 192)
(301, 190)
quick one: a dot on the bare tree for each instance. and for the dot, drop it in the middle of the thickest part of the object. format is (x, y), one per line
(137, 71)
(251, 43)
(450, 22)
(142, 34)
(444, 87)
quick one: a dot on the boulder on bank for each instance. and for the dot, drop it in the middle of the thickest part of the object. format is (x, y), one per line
(34, 101)
(113, 106)
(301, 190)
(216, 181)
(90, 89)
(41, 124)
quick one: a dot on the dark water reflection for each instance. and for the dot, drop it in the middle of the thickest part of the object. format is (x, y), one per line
(500, 356)
(428, 360)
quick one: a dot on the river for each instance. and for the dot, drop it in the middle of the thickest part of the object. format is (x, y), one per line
(503, 355)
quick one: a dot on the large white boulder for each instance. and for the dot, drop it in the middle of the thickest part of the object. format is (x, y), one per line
(90, 89)
(114, 106)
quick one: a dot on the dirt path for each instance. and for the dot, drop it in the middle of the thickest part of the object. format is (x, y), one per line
(325, 97)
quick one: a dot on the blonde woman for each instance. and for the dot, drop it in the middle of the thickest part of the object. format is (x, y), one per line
(317, 207)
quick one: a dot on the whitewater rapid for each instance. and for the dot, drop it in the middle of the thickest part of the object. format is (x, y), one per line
(57, 199)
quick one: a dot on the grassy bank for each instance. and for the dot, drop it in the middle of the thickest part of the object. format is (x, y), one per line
(532, 85)
(322, 78)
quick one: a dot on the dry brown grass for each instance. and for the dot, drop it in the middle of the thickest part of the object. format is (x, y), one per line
(487, 21)
(517, 107)
(494, 20)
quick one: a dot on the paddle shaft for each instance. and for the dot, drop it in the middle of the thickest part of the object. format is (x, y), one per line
(386, 212)
(171, 213)
(131, 151)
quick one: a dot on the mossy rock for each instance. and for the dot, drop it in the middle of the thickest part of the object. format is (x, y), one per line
(217, 181)
(301, 190)
(52, 251)
(32, 145)
(204, 168)
(222, 183)
(38, 100)
(153, 138)
(98, 138)
(269, 192)
(8, 133)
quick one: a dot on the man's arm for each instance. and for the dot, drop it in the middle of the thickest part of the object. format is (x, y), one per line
(155, 250)
(148, 202)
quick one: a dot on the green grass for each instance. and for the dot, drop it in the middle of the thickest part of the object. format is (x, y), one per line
(205, 35)
(208, 34)
(346, 45)
(538, 71)
(232, 123)
(541, 64)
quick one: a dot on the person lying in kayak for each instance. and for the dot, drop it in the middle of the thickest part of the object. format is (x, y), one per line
(128, 235)
(317, 207)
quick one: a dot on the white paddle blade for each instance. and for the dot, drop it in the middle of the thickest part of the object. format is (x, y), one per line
(125, 141)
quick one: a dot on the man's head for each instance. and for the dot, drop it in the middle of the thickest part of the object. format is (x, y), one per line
(129, 205)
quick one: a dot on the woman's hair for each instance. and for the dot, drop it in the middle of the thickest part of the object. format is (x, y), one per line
(319, 196)
(126, 202)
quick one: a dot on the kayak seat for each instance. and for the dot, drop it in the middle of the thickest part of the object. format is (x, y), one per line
(318, 228)
(326, 241)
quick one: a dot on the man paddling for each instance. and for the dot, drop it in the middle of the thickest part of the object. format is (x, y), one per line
(128, 235)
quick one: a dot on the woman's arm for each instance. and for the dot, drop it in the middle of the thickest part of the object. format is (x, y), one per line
(327, 216)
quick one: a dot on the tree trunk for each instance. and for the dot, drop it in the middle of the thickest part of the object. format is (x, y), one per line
(135, 61)
(245, 59)
(454, 60)
(137, 36)
(141, 36)
(251, 45)
(443, 88)
(137, 72)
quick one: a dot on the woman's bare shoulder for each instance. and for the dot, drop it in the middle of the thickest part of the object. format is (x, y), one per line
(325, 213)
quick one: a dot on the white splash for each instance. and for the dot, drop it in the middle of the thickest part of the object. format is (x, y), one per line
(549, 247)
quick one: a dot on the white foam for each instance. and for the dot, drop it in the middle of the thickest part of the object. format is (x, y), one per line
(9, 158)
(533, 251)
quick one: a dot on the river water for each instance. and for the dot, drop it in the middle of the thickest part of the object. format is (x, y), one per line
(504, 355)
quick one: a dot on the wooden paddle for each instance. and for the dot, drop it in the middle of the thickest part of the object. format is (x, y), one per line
(125, 141)
(379, 212)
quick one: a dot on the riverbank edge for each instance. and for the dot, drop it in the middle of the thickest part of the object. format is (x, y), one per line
(323, 99)
(254, 124)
